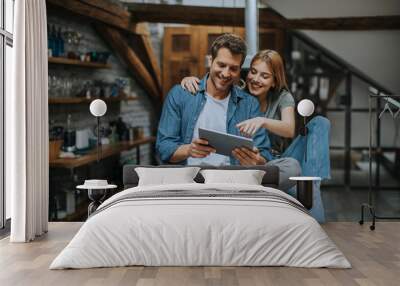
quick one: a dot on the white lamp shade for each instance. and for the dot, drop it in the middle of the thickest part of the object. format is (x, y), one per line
(305, 107)
(98, 107)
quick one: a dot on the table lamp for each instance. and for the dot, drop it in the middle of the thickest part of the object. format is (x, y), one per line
(98, 108)
(305, 108)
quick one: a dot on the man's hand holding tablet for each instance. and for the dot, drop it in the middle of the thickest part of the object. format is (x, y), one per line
(199, 148)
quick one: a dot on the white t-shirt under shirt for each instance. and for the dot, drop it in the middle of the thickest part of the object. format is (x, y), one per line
(213, 116)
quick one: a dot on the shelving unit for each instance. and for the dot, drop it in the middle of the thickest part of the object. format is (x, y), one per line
(82, 100)
(66, 61)
(106, 151)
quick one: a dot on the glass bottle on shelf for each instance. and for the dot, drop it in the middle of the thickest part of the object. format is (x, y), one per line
(50, 41)
(68, 49)
(69, 136)
(60, 41)
(50, 83)
(55, 49)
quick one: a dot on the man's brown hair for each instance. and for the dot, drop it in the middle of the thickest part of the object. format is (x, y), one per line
(232, 42)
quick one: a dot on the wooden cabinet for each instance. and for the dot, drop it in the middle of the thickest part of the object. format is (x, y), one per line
(207, 35)
(271, 39)
(181, 55)
(185, 50)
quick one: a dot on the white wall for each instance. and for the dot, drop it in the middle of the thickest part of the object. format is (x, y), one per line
(376, 53)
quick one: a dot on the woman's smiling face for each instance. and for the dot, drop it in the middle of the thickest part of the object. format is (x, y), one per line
(260, 78)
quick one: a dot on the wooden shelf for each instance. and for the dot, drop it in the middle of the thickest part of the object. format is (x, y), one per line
(81, 100)
(106, 151)
(66, 61)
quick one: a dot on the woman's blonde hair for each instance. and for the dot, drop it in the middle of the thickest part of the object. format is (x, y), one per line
(275, 63)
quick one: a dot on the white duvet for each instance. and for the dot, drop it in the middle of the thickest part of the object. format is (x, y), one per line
(200, 231)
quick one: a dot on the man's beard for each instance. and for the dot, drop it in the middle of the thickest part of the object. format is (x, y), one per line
(217, 82)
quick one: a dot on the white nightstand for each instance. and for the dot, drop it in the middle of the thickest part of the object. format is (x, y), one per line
(97, 191)
(305, 190)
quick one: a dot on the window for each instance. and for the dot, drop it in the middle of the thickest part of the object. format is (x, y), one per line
(9, 13)
(6, 63)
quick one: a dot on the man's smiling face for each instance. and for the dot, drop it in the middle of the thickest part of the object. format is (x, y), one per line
(225, 69)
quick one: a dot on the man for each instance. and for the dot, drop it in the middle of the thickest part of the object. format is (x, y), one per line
(218, 105)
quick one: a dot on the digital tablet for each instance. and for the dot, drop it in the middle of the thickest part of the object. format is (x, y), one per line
(224, 143)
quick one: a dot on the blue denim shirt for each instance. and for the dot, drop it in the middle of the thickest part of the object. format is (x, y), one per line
(180, 113)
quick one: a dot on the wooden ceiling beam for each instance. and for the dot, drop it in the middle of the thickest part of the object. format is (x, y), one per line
(102, 11)
(153, 61)
(196, 15)
(144, 49)
(268, 18)
(147, 56)
(109, 7)
(119, 44)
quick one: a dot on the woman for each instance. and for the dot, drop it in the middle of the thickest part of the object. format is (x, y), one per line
(267, 81)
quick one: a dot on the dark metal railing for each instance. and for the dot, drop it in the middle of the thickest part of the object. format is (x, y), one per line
(349, 72)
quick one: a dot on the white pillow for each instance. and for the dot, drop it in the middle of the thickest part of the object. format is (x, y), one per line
(248, 177)
(166, 176)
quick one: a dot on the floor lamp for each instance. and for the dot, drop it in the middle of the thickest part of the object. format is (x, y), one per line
(97, 189)
(305, 184)
(305, 108)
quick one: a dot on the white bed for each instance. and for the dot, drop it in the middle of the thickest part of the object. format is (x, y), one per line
(185, 230)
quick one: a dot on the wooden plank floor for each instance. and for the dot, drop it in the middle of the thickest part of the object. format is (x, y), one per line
(375, 257)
